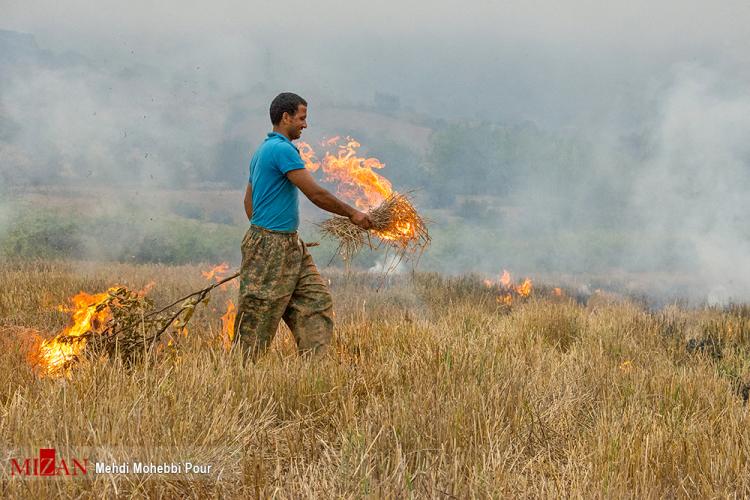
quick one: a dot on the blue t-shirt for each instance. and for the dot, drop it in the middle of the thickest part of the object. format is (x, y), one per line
(275, 203)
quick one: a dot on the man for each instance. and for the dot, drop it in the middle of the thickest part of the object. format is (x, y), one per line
(278, 278)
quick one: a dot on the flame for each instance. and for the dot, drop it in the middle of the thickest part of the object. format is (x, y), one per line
(216, 272)
(144, 291)
(355, 176)
(227, 325)
(557, 291)
(524, 289)
(308, 156)
(52, 356)
(332, 141)
(505, 279)
(508, 289)
(358, 182)
(227, 320)
(402, 229)
(506, 299)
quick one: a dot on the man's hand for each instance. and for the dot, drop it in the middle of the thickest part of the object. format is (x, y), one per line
(361, 219)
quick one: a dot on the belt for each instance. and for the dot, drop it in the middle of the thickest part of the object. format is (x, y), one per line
(287, 234)
(281, 234)
(271, 231)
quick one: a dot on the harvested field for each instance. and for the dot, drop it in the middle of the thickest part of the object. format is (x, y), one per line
(433, 388)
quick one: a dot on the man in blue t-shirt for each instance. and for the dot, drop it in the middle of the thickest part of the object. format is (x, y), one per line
(278, 278)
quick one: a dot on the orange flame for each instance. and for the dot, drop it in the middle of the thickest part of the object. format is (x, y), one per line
(51, 357)
(402, 230)
(227, 319)
(505, 279)
(227, 325)
(358, 182)
(144, 291)
(508, 289)
(524, 289)
(332, 141)
(308, 156)
(217, 272)
(557, 291)
(355, 175)
(506, 299)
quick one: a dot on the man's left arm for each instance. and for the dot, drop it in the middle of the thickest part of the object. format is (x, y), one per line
(249, 201)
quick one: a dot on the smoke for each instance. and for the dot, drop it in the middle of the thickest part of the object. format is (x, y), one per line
(83, 124)
(5, 219)
(594, 142)
(388, 265)
(650, 198)
(692, 192)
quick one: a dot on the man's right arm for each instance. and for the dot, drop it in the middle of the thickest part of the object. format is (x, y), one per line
(325, 200)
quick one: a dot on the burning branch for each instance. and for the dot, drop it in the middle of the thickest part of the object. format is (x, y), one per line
(114, 323)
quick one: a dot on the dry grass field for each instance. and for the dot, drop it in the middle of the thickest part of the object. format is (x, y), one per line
(431, 389)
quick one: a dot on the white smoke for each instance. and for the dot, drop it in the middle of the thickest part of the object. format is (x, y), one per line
(388, 264)
(694, 189)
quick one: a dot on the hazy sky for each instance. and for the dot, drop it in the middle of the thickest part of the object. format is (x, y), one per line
(636, 24)
(553, 62)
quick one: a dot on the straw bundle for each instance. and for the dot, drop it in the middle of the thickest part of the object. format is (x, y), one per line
(396, 224)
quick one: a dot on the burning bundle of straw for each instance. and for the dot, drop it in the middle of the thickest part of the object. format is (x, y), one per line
(396, 224)
(116, 323)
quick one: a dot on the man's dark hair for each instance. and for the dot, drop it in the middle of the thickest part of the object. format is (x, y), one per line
(286, 102)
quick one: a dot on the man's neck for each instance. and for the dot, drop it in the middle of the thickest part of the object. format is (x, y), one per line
(279, 131)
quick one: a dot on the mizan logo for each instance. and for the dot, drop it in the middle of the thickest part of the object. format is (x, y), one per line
(47, 465)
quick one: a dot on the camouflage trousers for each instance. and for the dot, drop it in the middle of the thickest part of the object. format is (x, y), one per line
(279, 280)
